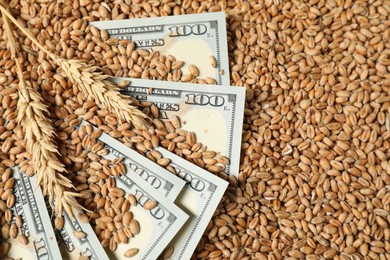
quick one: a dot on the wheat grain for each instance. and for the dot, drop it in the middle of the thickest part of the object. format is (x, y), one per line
(194, 71)
(149, 205)
(213, 61)
(4, 248)
(131, 252)
(79, 234)
(23, 239)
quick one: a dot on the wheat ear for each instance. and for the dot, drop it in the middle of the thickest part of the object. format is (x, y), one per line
(39, 136)
(92, 83)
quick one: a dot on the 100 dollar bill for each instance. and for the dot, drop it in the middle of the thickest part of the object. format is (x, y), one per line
(157, 226)
(199, 198)
(190, 38)
(214, 113)
(30, 205)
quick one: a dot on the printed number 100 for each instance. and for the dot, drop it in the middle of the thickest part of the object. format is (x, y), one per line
(204, 100)
(185, 30)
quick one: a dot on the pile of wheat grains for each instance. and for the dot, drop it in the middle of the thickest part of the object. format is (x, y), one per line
(314, 180)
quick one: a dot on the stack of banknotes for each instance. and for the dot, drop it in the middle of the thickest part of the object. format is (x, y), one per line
(185, 202)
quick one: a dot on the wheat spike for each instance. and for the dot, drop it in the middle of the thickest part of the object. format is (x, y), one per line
(39, 133)
(32, 116)
(92, 83)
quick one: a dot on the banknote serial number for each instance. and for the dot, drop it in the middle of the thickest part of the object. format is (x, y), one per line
(186, 30)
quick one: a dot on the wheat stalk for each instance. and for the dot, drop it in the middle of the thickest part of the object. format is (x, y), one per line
(92, 83)
(39, 137)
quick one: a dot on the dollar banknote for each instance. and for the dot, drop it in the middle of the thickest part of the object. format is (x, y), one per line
(30, 205)
(159, 225)
(214, 113)
(190, 38)
(199, 198)
(72, 247)
(159, 178)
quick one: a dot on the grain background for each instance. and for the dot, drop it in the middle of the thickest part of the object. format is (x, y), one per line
(314, 180)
